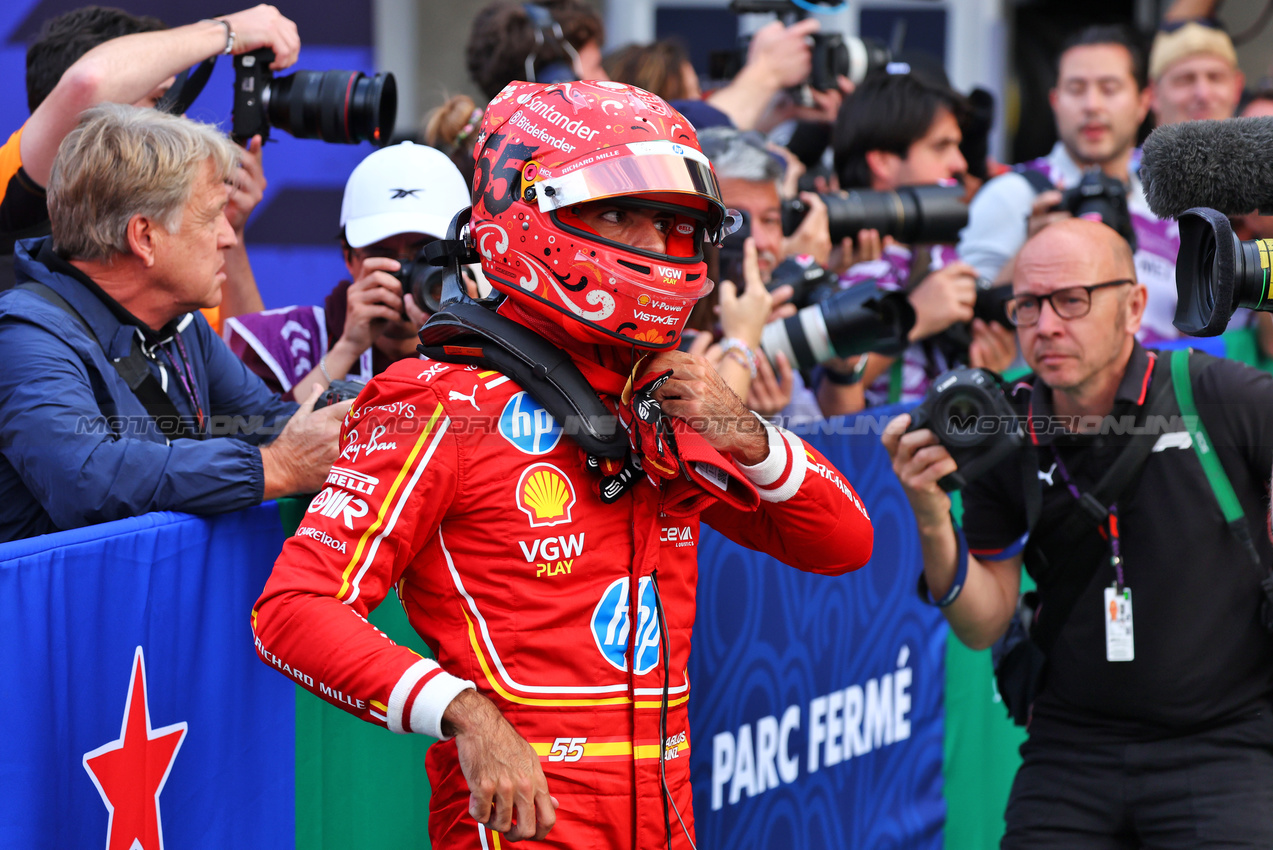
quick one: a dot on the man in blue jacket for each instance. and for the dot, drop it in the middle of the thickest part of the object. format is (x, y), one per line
(117, 397)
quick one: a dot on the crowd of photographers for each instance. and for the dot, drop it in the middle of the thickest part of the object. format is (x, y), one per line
(880, 248)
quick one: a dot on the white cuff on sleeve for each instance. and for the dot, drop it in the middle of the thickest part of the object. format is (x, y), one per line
(768, 470)
(778, 477)
(426, 709)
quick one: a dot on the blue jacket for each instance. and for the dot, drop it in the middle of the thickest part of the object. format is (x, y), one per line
(76, 445)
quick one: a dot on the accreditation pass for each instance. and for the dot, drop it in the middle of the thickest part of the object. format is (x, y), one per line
(1120, 644)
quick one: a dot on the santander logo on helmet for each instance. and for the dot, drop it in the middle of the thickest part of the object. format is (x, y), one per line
(546, 155)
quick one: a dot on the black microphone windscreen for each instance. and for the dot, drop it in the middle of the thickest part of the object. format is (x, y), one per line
(1225, 165)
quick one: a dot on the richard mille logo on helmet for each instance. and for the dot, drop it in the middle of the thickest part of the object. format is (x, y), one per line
(545, 495)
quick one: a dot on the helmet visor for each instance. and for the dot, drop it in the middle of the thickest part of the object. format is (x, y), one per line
(640, 168)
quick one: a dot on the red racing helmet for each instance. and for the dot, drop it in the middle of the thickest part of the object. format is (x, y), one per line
(542, 151)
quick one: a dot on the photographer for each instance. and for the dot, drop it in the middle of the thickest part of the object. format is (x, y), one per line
(903, 130)
(1151, 725)
(506, 37)
(1099, 102)
(396, 201)
(118, 398)
(778, 58)
(79, 62)
(1193, 73)
(749, 174)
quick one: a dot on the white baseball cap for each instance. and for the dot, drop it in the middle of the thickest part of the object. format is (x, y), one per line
(405, 188)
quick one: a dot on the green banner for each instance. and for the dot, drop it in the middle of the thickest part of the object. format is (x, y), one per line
(358, 785)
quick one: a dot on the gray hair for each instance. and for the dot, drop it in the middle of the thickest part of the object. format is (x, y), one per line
(739, 156)
(122, 161)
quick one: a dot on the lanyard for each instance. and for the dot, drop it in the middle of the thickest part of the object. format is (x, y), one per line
(1116, 557)
(186, 376)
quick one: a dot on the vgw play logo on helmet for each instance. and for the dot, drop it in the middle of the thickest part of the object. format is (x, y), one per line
(612, 618)
(528, 426)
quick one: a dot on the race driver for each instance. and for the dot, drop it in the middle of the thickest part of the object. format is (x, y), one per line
(557, 592)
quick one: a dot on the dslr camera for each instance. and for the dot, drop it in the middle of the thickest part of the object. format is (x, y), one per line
(423, 281)
(831, 322)
(845, 323)
(344, 107)
(969, 414)
(834, 55)
(1101, 198)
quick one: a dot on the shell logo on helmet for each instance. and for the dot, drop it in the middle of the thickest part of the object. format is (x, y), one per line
(544, 153)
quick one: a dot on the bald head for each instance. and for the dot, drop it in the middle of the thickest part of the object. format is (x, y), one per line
(1076, 281)
(1077, 251)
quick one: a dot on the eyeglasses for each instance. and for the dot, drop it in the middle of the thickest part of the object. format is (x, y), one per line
(1073, 302)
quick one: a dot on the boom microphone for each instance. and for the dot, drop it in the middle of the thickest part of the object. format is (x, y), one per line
(1226, 165)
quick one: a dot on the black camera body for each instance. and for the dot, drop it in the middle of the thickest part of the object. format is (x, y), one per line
(969, 414)
(1101, 198)
(910, 214)
(833, 55)
(424, 283)
(810, 282)
(344, 107)
(338, 391)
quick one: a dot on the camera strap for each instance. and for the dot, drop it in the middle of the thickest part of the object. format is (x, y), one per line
(134, 369)
(1068, 579)
(1038, 181)
(186, 87)
(1234, 516)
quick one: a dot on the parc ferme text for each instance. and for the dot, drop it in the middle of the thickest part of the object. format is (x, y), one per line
(844, 724)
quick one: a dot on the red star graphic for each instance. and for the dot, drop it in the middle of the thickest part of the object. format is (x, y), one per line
(130, 773)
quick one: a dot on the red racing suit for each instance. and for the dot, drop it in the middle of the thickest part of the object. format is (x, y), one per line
(458, 491)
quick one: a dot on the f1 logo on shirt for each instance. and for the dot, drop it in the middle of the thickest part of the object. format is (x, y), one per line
(529, 426)
(612, 618)
(335, 503)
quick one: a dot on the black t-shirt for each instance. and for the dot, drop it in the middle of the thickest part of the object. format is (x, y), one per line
(1201, 655)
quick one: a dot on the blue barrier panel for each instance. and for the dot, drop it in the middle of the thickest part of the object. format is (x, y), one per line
(84, 613)
(816, 704)
(816, 709)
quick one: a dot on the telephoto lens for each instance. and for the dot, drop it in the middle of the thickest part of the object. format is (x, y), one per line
(852, 321)
(1216, 273)
(911, 214)
(345, 107)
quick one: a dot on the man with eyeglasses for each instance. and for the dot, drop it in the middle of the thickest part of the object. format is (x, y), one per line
(1099, 101)
(1165, 739)
(396, 200)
